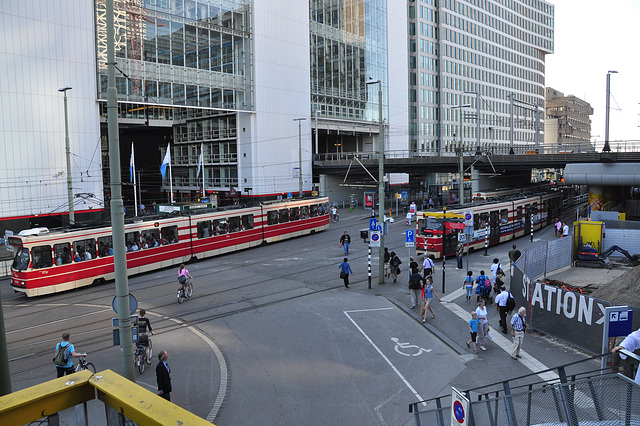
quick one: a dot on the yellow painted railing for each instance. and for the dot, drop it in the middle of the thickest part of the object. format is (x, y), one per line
(125, 397)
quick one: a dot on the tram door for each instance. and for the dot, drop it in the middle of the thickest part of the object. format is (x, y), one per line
(494, 233)
(527, 219)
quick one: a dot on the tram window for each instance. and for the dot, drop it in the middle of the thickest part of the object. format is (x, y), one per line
(294, 213)
(272, 217)
(504, 216)
(283, 215)
(21, 261)
(421, 227)
(150, 238)
(234, 224)
(41, 256)
(325, 208)
(247, 221)
(204, 229)
(314, 210)
(304, 212)
(481, 220)
(169, 234)
(62, 253)
(105, 246)
(132, 239)
(519, 213)
(84, 249)
(219, 227)
(534, 209)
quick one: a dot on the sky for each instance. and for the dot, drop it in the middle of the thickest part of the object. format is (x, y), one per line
(591, 38)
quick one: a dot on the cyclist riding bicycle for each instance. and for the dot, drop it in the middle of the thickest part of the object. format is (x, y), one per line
(143, 339)
(183, 278)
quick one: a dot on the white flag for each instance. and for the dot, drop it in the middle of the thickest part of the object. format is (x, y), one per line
(200, 160)
(167, 160)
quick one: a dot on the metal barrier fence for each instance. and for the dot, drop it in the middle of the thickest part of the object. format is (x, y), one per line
(548, 256)
(593, 397)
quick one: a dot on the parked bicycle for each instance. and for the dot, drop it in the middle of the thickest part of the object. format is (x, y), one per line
(84, 365)
(185, 291)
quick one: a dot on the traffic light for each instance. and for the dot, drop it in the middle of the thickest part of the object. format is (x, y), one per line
(364, 234)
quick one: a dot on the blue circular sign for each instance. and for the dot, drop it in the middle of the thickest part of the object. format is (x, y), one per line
(375, 237)
(467, 216)
(458, 411)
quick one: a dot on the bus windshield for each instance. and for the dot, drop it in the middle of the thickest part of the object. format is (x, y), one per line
(21, 261)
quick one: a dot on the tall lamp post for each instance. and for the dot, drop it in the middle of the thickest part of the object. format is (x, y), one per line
(460, 152)
(68, 152)
(299, 120)
(606, 147)
(380, 180)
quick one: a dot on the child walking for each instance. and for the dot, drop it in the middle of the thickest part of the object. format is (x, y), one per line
(468, 285)
(473, 330)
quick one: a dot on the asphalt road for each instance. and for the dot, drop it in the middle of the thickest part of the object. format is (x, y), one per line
(271, 335)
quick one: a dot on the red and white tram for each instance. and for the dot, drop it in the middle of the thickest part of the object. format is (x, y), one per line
(53, 261)
(502, 219)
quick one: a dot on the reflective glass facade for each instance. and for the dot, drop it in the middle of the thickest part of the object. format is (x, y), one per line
(179, 52)
(490, 47)
(348, 45)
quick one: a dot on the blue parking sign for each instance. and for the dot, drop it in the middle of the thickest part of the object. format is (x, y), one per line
(410, 239)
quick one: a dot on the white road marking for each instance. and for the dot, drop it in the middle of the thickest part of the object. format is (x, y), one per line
(408, 346)
(387, 360)
(505, 344)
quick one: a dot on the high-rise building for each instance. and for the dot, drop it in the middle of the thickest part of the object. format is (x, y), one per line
(480, 53)
(233, 79)
(567, 122)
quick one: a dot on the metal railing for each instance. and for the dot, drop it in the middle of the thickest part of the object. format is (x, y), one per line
(449, 150)
(582, 397)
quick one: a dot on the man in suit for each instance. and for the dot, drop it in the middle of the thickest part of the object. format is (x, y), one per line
(163, 376)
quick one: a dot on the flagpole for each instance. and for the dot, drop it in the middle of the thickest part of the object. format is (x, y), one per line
(202, 155)
(135, 193)
(170, 183)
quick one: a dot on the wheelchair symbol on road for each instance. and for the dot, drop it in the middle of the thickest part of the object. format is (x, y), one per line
(409, 347)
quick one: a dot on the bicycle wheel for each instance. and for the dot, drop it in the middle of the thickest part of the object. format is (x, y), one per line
(180, 296)
(189, 290)
(90, 367)
(142, 363)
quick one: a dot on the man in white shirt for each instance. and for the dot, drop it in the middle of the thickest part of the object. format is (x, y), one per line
(427, 266)
(501, 306)
(565, 230)
(630, 343)
(494, 268)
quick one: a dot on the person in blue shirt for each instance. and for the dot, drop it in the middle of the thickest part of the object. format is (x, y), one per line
(70, 352)
(473, 331)
(345, 270)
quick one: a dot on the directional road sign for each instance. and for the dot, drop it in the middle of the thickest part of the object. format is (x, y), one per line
(375, 238)
(373, 224)
(410, 240)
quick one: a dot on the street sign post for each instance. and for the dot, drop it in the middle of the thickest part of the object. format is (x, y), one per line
(374, 237)
(410, 238)
(459, 408)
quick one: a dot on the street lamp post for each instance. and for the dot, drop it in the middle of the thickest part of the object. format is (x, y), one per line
(380, 181)
(68, 153)
(606, 147)
(460, 152)
(299, 120)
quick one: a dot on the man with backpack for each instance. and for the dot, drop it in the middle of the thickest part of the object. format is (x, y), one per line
(505, 303)
(64, 352)
(395, 266)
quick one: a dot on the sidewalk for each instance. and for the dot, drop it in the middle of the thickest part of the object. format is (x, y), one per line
(453, 313)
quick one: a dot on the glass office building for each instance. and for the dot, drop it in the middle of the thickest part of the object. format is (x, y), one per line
(480, 53)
